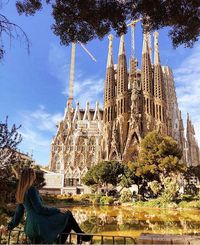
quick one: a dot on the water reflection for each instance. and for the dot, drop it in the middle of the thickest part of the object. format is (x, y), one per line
(134, 221)
(128, 221)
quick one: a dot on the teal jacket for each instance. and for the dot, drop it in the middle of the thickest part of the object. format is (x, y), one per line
(43, 224)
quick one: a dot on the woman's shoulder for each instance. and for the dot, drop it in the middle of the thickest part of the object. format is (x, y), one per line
(31, 190)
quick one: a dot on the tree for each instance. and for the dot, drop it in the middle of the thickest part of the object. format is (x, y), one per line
(159, 157)
(11, 159)
(11, 30)
(192, 173)
(129, 177)
(9, 139)
(78, 20)
(155, 187)
(103, 174)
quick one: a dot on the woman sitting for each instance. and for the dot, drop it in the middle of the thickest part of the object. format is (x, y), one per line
(43, 224)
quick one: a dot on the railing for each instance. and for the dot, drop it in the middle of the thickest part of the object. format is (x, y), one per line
(19, 237)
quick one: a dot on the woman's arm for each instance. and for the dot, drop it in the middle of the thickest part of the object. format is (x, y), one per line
(19, 212)
(38, 207)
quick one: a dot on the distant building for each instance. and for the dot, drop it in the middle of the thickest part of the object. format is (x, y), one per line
(54, 182)
(135, 103)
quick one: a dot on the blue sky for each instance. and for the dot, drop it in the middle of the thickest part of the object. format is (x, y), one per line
(34, 87)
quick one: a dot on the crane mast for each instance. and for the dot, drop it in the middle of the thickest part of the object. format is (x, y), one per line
(87, 51)
(133, 39)
(71, 77)
(133, 60)
(132, 25)
(72, 69)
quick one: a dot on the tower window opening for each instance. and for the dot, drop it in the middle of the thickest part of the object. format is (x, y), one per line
(150, 107)
(156, 111)
(153, 110)
(160, 113)
(147, 105)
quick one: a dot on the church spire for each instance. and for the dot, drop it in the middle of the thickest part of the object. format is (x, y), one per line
(192, 145)
(145, 47)
(188, 125)
(188, 117)
(121, 46)
(122, 96)
(147, 82)
(150, 46)
(158, 75)
(109, 85)
(146, 72)
(122, 75)
(159, 87)
(156, 49)
(110, 58)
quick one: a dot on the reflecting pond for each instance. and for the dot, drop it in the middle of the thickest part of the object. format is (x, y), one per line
(129, 221)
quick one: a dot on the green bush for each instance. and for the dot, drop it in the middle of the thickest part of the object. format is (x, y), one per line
(192, 204)
(158, 203)
(155, 186)
(69, 199)
(138, 204)
(183, 204)
(154, 203)
(49, 199)
(126, 196)
(172, 205)
(96, 199)
(171, 189)
(186, 197)
(105, 200)
(87, 198)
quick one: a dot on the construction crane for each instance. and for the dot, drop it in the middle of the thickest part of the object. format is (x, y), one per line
(72, 67)
(132, 25)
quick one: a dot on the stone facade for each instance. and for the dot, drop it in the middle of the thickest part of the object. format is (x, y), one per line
(135, 103)
(76, 146)
(192, 148)
(139, 101)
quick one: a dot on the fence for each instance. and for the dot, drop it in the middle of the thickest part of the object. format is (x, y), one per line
(19, 237)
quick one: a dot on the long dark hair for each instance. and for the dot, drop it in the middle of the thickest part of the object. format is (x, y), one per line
(26, 179)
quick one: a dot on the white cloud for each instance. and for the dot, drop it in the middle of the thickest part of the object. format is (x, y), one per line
(89, 89)
(37, 130)
(44, 121)
(187, 78)
(33, 139)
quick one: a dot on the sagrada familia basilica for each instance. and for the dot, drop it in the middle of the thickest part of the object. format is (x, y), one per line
(136, 101)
